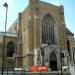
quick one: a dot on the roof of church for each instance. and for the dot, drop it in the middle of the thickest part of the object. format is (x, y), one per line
(49, 4)
(69, 32)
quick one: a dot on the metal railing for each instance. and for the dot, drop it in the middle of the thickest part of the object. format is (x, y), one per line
(23, 72)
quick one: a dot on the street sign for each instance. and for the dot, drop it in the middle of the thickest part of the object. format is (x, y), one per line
(18, 69)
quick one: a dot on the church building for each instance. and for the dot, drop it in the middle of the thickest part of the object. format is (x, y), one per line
(40, 37)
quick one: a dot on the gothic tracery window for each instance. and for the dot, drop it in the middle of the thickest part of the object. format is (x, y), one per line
(48, 30)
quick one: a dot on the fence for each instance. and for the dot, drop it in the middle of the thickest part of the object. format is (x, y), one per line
(23, 72)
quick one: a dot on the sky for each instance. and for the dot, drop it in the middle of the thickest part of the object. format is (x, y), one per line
(16, 6)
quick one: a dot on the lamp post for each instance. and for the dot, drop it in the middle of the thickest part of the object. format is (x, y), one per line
(6, 6)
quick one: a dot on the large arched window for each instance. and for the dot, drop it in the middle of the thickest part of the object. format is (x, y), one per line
(48, 36)
(10, 49)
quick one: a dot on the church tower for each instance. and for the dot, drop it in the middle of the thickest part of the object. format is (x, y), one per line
(35, 22)
(33, 31)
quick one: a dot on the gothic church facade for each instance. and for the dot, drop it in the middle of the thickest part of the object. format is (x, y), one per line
(42, 36)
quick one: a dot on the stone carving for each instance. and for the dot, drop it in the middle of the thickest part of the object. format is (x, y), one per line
(46, 55)
(37, 57)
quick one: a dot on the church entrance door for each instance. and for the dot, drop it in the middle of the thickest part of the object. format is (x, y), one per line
(53, 62)
(53, 65)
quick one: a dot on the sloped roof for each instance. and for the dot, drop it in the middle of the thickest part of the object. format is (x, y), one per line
(69, 32)
(49, 4)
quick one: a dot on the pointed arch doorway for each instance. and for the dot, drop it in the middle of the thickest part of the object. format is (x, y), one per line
(53, 62)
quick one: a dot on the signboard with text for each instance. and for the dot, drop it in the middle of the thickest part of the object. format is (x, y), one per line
(38, 68)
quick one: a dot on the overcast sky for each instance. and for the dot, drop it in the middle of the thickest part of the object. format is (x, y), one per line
(16, 6)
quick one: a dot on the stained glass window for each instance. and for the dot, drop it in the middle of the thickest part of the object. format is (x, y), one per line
(48, 36)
